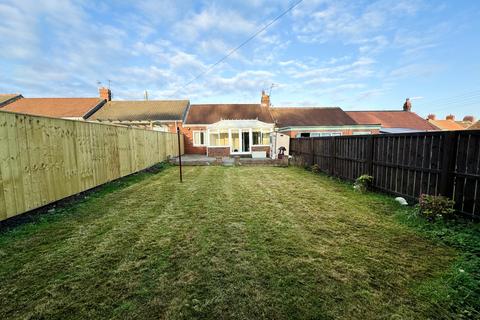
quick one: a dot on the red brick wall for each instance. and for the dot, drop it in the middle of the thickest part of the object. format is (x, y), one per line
(219, 152)
(262, 148)
(188, 140)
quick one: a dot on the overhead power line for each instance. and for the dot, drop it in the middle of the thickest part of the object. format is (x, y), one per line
(464, 95)
(232, 51)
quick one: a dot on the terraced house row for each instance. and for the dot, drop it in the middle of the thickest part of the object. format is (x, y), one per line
(225, 129)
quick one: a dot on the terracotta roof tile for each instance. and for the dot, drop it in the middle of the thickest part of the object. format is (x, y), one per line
(313, 116)
(211, 113)
(53, 107)
(475, 126)
(141, 110)
(464, 124)
(392, 119)
(447, 125)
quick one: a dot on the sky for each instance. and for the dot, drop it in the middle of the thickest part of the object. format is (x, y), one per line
(353, 54)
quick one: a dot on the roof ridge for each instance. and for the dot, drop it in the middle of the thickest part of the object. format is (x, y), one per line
(276, 107)
(225, 104)
(61, 98)
(136, 101)
(377, 111)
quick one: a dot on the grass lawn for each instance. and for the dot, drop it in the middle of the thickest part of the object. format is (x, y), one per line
(240, 243)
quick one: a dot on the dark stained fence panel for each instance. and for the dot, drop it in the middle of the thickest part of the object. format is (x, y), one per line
(408, 165)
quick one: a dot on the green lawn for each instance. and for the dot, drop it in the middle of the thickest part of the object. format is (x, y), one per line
(241, 243)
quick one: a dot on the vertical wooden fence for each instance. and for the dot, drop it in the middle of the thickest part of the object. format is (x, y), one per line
(408, 165)
(43, 159)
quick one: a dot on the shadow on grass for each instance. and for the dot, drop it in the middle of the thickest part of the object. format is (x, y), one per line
(66, 206)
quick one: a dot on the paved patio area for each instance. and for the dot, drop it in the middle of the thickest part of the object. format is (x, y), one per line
(203, 160)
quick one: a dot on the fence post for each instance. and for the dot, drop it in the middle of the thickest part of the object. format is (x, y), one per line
(334, 156)
(369, 155)
(448, 164)
(312, 151)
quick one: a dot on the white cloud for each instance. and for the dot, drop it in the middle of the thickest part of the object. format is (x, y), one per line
(213, 19)
(346, 21)
(415, 70)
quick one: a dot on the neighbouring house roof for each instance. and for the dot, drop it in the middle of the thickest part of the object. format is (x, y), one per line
(392, 119)
(55, 107)
(212, 113)
(447, 125)
(8, 98)
(142, 110)
(464, 124)
(475, 126)
(300, 116)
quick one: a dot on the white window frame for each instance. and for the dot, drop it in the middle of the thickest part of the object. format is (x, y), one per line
(360, 133)
(321, 134)
(204, 138)
(262, 133)
(217, 131)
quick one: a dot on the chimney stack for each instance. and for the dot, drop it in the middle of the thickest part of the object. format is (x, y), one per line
(431, 116)
(450, 117)
(469, 119)
(407, 106)
(105, 93)
(265, 101)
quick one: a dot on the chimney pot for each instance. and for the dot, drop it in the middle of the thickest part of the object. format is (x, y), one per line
(431, 116)
(105, 93)
(450, 117)
(407, 106)
(265, 101)
(469, 119)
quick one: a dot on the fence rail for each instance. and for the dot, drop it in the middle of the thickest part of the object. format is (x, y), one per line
(43, 159)
(408, 165)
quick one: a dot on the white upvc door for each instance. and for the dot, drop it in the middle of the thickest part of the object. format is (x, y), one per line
(244, 143)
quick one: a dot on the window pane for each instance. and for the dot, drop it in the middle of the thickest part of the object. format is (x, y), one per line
(223, 138)
(195, 138)
(213, 139)
(219, 138)
(256, 135)
(266, 138)
(235, 141)
(198, 138)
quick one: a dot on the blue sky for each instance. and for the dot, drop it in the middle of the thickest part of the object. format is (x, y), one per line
(352, 54)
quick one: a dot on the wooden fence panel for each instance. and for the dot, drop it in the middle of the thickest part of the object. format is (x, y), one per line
(43, 160)
(408, 165)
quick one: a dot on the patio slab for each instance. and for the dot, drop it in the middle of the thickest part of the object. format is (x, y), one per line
(203, 160)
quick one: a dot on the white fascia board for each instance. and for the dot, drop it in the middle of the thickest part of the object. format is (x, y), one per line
(350, 127)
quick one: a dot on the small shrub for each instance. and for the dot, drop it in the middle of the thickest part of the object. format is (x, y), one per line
(315, 168)
(363, 183)
(433, 207)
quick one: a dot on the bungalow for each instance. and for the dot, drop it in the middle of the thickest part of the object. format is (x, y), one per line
(159, 115)
(449, 124)
(228, 129)
(66, 108)
(475, 126)
(318, 122)
(394, 121)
